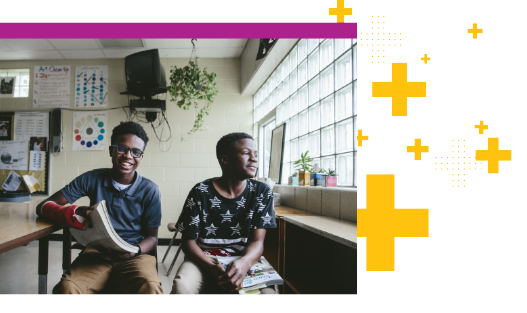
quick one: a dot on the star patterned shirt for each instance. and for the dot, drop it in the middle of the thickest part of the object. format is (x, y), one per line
(220, 225)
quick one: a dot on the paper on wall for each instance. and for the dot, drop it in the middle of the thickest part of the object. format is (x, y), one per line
(31, 124)
(12, 182)
(13, 155)
(89, 130)
(91, 86)
(31, 182)
(36, 160)
(51, 86)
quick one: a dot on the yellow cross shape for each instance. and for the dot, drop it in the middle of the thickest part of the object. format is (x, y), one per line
(474, 31)
(481, 127)
(425, 59)
(340, 11)
(360, 138)
(493, 155)
(399, 89)
(417, 149)
(380, 222)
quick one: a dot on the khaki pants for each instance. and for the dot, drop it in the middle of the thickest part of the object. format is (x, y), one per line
(192, 279)
(92, 270)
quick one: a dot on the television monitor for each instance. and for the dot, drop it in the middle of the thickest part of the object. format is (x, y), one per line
(145, 76)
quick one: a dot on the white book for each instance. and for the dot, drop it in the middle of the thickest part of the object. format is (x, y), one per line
(102, 233)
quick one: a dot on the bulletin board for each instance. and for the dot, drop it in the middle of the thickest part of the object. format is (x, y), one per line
(7, 128)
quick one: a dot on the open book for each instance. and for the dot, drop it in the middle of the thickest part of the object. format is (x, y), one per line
(260, 275)
(102, 233)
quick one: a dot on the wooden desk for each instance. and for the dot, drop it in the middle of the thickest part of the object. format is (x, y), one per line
(19, 224)
(304, 243)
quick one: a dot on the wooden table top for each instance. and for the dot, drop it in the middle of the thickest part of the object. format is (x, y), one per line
(19, 224)
(282, 210)
(341, 231)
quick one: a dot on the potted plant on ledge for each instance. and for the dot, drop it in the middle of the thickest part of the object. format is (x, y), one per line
(304, 166)
(331, 178)
(293, 179)
(318, 178)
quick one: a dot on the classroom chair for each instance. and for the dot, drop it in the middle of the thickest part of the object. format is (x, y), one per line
(172, 228)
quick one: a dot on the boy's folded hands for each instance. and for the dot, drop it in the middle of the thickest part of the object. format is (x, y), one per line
(233, 278)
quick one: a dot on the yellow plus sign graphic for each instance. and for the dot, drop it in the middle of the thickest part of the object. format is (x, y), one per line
(494, 155)
(380, 222)
(399, 89)
(418, 149)
(481, 127)
(340, 11)
(474, 31)
(360, 138)
(425, 59)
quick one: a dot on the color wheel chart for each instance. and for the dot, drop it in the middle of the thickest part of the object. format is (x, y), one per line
(91, 86)
(89, 130)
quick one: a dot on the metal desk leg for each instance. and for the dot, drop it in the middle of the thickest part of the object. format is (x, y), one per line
(66, 249)
(43, 253)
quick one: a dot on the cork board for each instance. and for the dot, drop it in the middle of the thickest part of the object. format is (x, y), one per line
(42, 176)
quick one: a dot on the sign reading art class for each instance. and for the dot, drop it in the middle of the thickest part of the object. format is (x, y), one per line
(51, 86)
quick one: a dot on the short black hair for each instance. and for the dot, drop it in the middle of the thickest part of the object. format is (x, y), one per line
(126, 128)
(227, 142)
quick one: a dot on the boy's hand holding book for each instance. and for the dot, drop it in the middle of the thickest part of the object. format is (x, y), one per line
(216, 270)
(236, 271)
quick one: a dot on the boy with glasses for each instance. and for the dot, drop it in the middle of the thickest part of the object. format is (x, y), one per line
(134, 206)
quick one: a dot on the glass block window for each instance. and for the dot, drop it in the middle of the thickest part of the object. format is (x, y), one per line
(314, 91)
(21, 81)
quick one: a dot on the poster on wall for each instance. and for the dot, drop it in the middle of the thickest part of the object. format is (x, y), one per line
(91, 86)
(13, 155)
(6, 130)
(31, 124)
(7, 87)
(89, 130)
(36, 160)
(38, 144)
(51, 86)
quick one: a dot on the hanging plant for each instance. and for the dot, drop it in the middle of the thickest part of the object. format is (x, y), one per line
(188, 85)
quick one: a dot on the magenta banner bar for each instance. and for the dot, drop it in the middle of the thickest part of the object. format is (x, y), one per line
(178, 30)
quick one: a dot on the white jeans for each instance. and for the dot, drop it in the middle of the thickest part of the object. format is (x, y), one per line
(192, 279)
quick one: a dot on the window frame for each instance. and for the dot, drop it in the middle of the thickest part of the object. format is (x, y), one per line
(268, 108)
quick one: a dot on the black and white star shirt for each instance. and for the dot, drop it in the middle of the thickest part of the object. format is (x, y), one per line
(223, 225)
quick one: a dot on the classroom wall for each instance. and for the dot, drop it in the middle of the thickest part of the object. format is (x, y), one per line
(186, 162)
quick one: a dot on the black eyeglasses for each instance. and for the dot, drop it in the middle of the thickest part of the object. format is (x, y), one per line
(122, 149)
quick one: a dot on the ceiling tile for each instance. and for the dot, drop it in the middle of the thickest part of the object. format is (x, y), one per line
(4, 47)
(119, 53)
(82, 54)
(202, 53)
(219, 52)
(175, 53)
(200, 43)
(28, 44)
(121, 43)
(74, 44)
(10, 55)
(41, 55)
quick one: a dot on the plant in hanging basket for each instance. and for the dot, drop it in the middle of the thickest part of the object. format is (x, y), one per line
(190, 84)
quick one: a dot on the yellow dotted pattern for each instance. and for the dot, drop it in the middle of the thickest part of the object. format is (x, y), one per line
(457, 162)
(380, 39)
